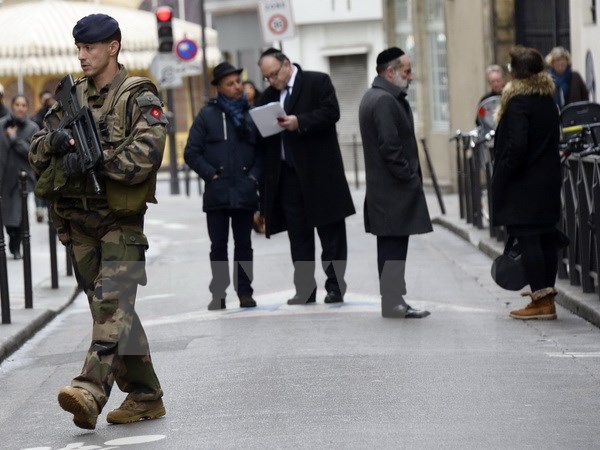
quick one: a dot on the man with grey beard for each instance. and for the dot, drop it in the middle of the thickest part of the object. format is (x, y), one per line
(395, 205)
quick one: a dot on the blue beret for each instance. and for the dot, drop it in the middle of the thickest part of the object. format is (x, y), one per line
(95, 28)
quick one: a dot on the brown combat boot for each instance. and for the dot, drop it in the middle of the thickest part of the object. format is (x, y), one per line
(81, 404)
(132, 411)
(541, 306)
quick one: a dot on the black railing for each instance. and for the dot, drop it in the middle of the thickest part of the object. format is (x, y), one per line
(27, 260)
(580, 261)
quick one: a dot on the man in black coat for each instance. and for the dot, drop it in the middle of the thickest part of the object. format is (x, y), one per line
(222, 150)
(305, 186)
(395, 205)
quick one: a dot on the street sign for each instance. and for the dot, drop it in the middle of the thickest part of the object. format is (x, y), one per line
(277, 22)
(186, 49)
(168, 70)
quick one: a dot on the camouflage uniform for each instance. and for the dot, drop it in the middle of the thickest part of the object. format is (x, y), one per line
(108, 245)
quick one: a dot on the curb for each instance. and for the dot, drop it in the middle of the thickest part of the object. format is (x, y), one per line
(15, 342)
(581, 304)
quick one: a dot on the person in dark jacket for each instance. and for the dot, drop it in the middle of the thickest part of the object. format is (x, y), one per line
(526, 180)
(222, 150)
(395, 205)
(46, 101)
(570, 87)
(3, 109)
(305, 185)
(16, 131)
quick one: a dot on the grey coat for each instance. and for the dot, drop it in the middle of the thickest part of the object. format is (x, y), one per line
(395, 202)
(13, 160)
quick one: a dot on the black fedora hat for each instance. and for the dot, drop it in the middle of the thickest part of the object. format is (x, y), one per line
(222, 70)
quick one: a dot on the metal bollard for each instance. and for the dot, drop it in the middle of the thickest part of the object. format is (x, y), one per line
(355, 155)
(26, 241)
(69, 261)
(53, 256)
(186, 178)
(4, 298)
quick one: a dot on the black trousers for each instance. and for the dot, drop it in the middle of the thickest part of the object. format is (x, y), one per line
(302, 240)
(218, 230)
(540, 259)
(391, 264)
(14, 238)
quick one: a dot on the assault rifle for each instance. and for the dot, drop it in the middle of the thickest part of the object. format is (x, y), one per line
(80, 122)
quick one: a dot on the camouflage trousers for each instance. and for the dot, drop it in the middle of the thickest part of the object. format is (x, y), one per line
(109, 261)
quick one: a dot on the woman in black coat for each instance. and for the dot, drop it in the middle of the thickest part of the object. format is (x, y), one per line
(16, 131)
(527, 178)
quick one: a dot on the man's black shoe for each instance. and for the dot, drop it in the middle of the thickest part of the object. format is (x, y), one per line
(216, 304)
(333, 297)
(404, 312)
(246, 301)
(298, 300)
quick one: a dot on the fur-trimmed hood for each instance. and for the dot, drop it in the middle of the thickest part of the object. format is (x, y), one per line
(538, 84)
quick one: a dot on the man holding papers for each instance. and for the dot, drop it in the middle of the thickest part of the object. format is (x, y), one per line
(305, 186)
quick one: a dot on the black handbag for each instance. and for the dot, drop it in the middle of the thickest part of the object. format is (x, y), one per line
(507, 269)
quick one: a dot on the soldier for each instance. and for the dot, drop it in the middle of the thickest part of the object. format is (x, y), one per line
(105, 231)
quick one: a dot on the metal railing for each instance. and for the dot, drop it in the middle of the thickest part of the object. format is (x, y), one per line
(27, 261)
(580, 201)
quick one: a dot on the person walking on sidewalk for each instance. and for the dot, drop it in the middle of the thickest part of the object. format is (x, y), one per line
(105, 231)
(526, 179)
(16, 131)
(395, 205)
(222, 150)
(305, 186)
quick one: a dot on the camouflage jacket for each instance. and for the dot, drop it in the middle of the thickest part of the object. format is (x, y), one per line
(133, 137)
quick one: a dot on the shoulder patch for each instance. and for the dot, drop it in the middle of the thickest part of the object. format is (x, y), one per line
(151, 108)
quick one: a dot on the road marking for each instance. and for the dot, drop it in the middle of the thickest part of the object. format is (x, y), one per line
(573, 354)
(274, 303)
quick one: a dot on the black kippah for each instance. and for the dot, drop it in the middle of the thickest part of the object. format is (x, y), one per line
(389, 55)
(95, 28)
(270, 51)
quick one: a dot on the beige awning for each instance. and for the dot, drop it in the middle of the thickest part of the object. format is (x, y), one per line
(36, 39)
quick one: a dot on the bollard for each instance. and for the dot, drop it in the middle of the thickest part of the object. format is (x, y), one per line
(355, 154)
(186, 171)
(69, 261)
(26, 241)
(4, 298)
(436, 186)
(53, 259)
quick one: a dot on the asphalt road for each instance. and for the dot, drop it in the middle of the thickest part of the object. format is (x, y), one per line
(322, 376)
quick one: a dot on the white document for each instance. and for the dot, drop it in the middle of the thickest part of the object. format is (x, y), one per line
(265, 118)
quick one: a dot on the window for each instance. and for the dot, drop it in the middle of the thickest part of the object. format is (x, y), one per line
(406, 41)
(438, 73)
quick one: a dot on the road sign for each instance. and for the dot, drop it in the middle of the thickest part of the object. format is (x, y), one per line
(277, 22)
(186, 49)
(169, 70)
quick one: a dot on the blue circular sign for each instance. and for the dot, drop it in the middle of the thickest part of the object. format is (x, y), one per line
(186, 49)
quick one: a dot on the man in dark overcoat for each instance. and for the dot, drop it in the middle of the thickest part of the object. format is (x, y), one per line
(395, 205)
(305, 186)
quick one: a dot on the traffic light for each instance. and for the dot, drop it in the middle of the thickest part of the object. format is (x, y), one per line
(164, 14)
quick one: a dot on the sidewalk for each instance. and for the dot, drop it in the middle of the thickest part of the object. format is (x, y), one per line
(586, 306)
(47, 302)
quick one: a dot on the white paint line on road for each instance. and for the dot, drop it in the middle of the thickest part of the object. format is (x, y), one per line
(274, 303)
(573, 354)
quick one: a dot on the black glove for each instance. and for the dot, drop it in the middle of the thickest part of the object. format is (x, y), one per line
(71, 165)
(59, 141)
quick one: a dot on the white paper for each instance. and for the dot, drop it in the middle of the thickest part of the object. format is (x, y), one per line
(265, 118)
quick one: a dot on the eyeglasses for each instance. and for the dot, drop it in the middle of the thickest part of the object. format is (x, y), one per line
(273, 75)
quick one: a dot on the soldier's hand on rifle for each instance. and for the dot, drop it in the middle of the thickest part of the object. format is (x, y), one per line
(61, 141)
(72, 166)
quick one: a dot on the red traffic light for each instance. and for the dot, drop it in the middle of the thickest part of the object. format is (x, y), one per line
(164, 14)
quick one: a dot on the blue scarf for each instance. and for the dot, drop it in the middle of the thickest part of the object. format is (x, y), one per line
(235, 109)
(562, 83)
